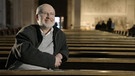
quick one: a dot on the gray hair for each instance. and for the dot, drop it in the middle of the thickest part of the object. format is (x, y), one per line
(40, 8)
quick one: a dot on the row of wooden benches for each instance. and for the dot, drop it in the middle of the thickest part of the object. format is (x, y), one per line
(89, 55)
(13, 31)
(88, 52)
(108, 47)
(9, 31)
(124, 33)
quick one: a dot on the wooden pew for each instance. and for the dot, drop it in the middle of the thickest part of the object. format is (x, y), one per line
(87, 49)
(93, 42)
(8, 36)
(100, 45)
(68, 72)
(104, 60)
(100, 49)
(103, 45)
(105, 50)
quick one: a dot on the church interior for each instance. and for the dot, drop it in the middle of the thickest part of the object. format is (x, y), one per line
(100, 35)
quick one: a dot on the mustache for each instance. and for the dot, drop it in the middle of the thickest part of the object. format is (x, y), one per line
(50, 19)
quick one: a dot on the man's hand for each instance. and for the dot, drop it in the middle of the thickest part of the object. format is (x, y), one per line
(58, 60)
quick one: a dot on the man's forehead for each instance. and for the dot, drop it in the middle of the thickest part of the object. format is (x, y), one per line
(47, 7)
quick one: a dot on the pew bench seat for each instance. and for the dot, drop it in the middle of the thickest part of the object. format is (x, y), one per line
(68, 72)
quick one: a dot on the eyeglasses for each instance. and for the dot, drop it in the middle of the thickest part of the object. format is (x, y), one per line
(48, 14)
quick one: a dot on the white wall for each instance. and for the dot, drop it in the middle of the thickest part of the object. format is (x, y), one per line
(121, 12)
(130, 13)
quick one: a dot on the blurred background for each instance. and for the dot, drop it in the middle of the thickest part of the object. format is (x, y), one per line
(70, 14)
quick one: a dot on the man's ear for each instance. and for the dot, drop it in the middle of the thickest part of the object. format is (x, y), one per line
(36, 16)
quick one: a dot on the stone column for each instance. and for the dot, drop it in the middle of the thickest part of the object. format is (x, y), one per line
(2, 13)
(130, 12)
(74, 14)
(70, 14)
(23, 12)
(28, 12)
(77, 14)
(16, 13)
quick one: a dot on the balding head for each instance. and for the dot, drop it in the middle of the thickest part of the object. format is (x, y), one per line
(44, 7)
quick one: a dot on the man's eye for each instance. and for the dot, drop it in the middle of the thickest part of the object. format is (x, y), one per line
(51, 13)
(44, 13)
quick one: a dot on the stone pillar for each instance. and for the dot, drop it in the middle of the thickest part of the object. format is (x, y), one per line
(74, 14)
(23, 12)
(16, 13)
(77, 14)
(28, 12)
(2, 13)
(70, 14)
(130, 13)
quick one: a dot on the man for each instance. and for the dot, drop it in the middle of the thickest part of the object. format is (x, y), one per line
(41, 46)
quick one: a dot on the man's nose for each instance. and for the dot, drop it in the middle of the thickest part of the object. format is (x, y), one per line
(48, 15)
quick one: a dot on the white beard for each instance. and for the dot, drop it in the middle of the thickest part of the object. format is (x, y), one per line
(48, 25)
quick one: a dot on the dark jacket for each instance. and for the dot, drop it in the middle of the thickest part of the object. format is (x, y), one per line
(25, 49)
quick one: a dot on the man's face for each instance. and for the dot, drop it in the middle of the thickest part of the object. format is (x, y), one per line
(47, 17)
